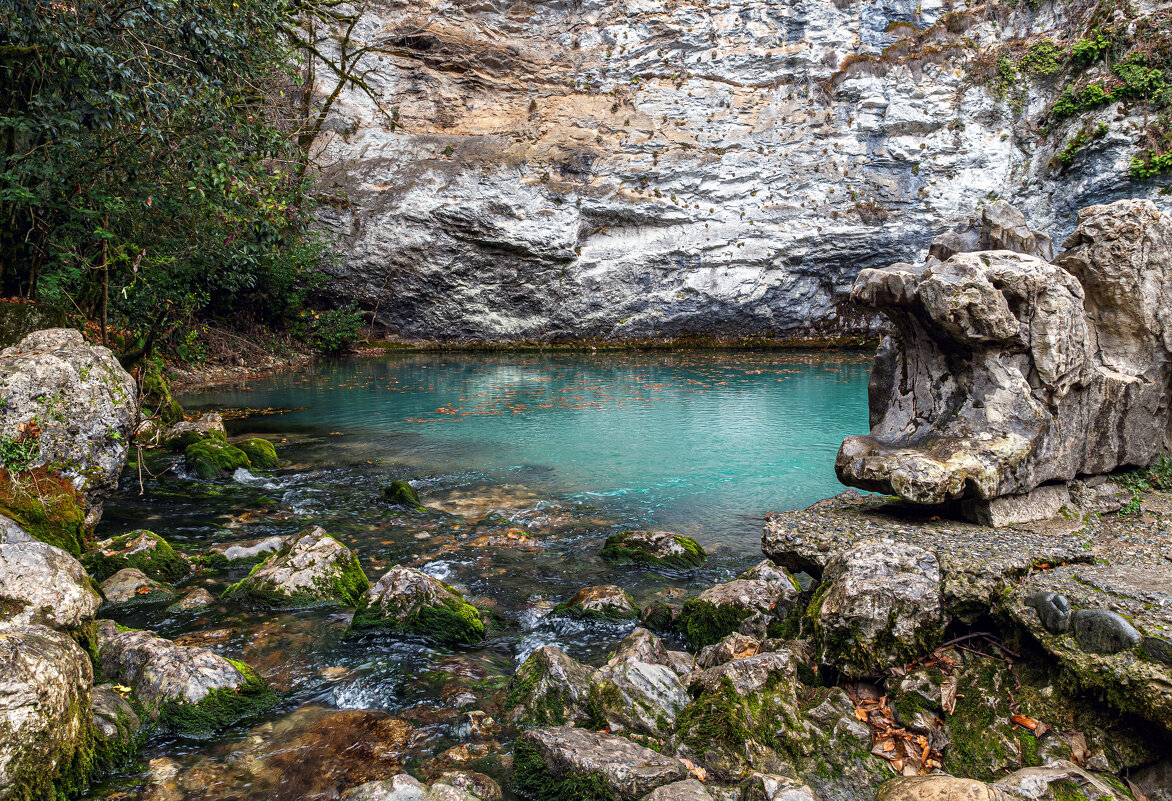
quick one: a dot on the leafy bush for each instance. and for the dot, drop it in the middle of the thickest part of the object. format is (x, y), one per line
(1043, 59)
(1086, 52)
(329, 331)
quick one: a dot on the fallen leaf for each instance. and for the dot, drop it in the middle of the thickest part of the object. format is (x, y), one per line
(695, 770)
(1024, 722)
(948, 694)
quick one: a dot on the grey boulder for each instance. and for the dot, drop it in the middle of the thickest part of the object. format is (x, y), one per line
(42, 584)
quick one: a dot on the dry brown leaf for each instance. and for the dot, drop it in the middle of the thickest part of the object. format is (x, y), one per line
(1024, 722)
(948, 694)
(1078, 746)
(695, 770)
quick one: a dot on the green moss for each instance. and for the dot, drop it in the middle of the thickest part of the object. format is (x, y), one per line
(157, 399)
(347, 584)
(609, 612)
(63, 773)
(219, 709)
(982, 740)
(532, 780)
(260, 452)
(548, 709)
(403, 494)
(46, 506)
(211, 458)
(724, 720)
(658, 617)
(604, 696)
(161, 563)
(623, 548)
(451, 620)
(185, 440)
(705, 623)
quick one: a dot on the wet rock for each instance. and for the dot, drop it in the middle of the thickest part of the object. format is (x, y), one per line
(549, 689)
(117, 730)
(997, 226)
(1059, 780)
(403, 787)
(212, 458)
(550, 763)
(46, 726)
(605, 602)
(185, 688)
(132, 586)
(43, 585)
(310, 569)
(1102, 631)
(1053, 610)
(734, 646)
(747, 604)
(401, 493)
(687, 790)
(196, 598)
(260, 452)
(209, 426)
(879, 606)
(938, 788)
(766, 787)
(1064, 364)
(637, 690)
(477, 785)
(1158, 648)
(247, 550)
(143, 550)
(658, 616)
(409, 601)
(658, 549)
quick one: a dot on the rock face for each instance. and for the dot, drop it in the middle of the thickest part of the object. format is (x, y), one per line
(409, 601)
(72, 408)
(879, 606)
(1004, 372)
(310, 568)
(599, 169)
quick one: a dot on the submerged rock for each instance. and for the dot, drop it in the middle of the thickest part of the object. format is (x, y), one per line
(186, 689)
(659, 549)
(311, 568)
(549, 689)
(403, 494)
(749, 604)
(879, 606)
(1064, 365)
(605, 602)
(46, 724)
(44, 585)
(409, 601)
(565, 762)
(260, 452)
(183, 434)
(131, 586)
(195, 598)
(213, 458)
(244, 551)
(139, 549)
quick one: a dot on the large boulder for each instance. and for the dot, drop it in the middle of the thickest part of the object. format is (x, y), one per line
(549, 689)
(46, 724)
(184, 688)
(70, 410)
(565, 762)
(139, 549)
(879, 606)
(750, 603)
(311, 568)
(637, 690)
(1004, 372)
(409, 601)
(41, 584)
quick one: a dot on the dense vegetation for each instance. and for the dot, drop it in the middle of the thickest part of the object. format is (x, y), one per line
(153, 166)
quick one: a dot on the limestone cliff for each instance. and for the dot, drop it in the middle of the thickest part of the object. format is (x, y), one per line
(658, 168)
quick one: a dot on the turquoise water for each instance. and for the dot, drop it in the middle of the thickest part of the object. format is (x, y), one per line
(701, 442)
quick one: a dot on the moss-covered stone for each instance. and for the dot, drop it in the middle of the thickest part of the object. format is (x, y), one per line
(219, 709)
(46, 506)
(654, 549)
(260, 452)
(139, 549)
(210, 458)
(533, 781)
(403, 494)
(605, 602)
(409, 601)
(704, 623)
(311, 568)
(157, 398)
(549, 689)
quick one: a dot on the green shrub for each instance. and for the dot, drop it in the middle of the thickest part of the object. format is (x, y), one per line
(329, 331)
(1043, 59)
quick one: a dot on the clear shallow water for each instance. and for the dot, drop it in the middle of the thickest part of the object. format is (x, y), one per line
(528, 464)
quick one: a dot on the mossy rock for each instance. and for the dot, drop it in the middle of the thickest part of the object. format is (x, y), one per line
(533, 781)
(704, 623)
(310, 569)
(657, 549)
(409, 601)
(157, 398)
(46, 506)
(18, 320)
(219, 709)
(158, 560)
(403, 494)
(260, 452)
(210, 458)
(606, 602)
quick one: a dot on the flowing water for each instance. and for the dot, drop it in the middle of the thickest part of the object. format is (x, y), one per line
(529, 462)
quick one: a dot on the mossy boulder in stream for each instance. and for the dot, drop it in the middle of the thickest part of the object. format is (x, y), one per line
(657, 549)
(637, 691)
(260, 452)
(758, 598)
(401, 493)
(131, 587)
(408, 601)
(118, 731)
(139, 549)
(606, 602)
(311, 568)
(185, 689)
(213, 458)
(549, 689)
(209, 426)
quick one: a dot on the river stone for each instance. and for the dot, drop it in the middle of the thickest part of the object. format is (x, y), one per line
(657, 549)
(403, 787)
(311, 568)
(747, 604)
(1102, 631)
(605, 602)
(939, 787)
(195, 598)
(188, 689)
(476, 785)
(878, 607)
(401, 493)
(409, 601)
(687, 790)
(548, 763)
(19, 319)
(245, 550)
(211, 458)
(734, 646)
(131, 586)
(637, 690)
(41, 584)
(209, 426)
(11, 532)
(549, 689)
(1066, 369)
(766, 787)
(46, 727)
(117, 728)
(1053, 610)
(139, 549)
(260, 452)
